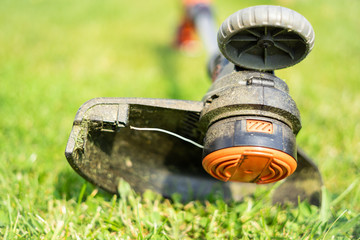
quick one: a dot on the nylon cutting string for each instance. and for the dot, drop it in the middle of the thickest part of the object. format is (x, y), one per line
(168, 132)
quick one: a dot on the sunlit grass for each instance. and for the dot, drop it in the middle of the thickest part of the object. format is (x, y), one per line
(56, 55)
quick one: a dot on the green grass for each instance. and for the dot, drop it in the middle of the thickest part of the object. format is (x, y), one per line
(55, 55)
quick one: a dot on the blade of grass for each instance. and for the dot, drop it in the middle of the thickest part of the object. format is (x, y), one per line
(334, 223)
(325, 205)
(345, 193)
(81, 195)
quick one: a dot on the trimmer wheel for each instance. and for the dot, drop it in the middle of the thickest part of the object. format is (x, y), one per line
(266, 37)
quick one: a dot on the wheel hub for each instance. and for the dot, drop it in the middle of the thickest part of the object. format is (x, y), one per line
(265, 42)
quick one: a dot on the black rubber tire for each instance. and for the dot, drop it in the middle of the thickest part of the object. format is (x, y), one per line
(266, 37)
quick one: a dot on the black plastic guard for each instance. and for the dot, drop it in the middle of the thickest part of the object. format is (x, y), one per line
(104, 146)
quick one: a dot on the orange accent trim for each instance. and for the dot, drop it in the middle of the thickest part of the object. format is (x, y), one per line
(259, 126)
(249, 164)
(194, 2)
(186, 34)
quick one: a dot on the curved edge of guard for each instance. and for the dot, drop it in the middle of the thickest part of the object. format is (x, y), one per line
(304, 184)
(103, 114)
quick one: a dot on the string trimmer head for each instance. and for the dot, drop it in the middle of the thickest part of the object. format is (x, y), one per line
(241, 134)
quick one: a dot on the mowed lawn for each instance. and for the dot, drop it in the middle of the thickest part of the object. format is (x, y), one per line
(55, 55)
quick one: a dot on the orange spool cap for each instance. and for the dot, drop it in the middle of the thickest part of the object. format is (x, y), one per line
(249, 164)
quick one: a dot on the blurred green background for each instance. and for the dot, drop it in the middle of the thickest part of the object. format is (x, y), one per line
(55, 55)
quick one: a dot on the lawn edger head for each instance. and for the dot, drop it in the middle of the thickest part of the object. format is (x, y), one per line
(242, 133)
